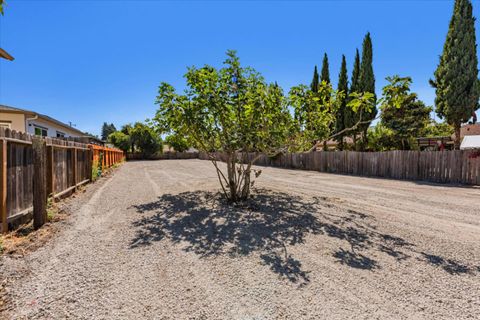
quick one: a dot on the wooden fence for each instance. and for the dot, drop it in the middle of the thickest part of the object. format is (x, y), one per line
(67, 165)
(457, 166)
(163, 156)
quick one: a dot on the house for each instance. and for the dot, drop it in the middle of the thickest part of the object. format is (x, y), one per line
(35, 123)
(4, 54)
(470, 130)
(470, 142)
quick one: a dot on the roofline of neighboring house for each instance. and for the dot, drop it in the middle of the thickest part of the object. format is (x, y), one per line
(4, 54)
(41, 116)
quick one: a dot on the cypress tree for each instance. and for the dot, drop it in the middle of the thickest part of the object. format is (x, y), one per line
(351, 118)
(325, 73)
(367, 83)
(342, 109)
(354, 87)
(315, 81)
(456, 78)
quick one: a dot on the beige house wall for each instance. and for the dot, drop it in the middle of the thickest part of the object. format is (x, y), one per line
(17, 120)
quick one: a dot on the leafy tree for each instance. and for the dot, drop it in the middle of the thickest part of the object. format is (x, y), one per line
(402, 112)
(435, 129)
(146, 139)
(231, 109)
(120, 140)
(314, 114)
(456, 78)
(381, 138)
(325, 76)
(367, 83)
(2, 3)
(107, 129)
(177, 142)
(315, 81)
(343, 111)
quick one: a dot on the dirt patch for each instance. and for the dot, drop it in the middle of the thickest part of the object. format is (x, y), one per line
(157, 241)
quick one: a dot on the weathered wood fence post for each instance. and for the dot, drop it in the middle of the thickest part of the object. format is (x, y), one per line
(3, 185)
(39, 182)
(50, 171)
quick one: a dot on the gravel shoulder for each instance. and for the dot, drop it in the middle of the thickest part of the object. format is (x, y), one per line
(154, 241)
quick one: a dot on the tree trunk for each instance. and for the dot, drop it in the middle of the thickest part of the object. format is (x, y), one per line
(238, 179)
(457, 136)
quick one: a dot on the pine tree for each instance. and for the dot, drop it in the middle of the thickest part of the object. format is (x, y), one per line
(456, 78)
(107, 129)
(315, 81)
(325, 73)
(367, 84)
(342, 109)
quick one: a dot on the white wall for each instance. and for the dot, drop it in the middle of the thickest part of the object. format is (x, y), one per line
(51, 127)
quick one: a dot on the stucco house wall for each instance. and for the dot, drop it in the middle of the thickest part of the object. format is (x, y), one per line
(16, 120)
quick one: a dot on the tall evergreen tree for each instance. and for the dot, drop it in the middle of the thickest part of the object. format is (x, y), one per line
(107, 129)
(340, 123)
(456, 78)
(351, 118)
(315, 81)
(325, 76)
(367, 84)
(355, 81)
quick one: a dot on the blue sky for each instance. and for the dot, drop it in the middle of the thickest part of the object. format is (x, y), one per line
(93, 61)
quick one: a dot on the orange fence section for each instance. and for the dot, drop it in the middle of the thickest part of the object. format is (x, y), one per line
(108, 156)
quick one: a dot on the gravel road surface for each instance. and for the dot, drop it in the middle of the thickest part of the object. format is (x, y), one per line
(154, 241)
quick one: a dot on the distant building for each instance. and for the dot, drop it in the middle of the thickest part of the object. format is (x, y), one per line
(470, 142)
(35, 123)
(470, 130)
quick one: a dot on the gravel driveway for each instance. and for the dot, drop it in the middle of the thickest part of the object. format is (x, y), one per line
(155, 242)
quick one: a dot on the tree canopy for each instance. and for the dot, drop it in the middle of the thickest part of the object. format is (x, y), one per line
(231, 109)
(456, 77)
(107, 129)
(325, 74)
(402, 112)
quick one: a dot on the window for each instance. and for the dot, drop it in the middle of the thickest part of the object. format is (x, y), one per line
(39, 131)
(60, 134)
(5, 124)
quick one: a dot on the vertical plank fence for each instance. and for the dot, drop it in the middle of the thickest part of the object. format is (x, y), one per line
(460, 167)
(67, 165)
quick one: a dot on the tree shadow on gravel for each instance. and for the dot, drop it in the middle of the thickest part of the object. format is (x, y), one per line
(268, 224)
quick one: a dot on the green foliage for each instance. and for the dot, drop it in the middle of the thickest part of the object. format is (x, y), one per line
(355, 81)
(315, 81)
(107, 129)
(456, 78)
(367, 81)
(314, 114)
(325, 75)
(120, 140)
(343, 111)
(402, 112)
(231, 109)
(177, 142)
(381, 138)
(435, 129)
(51, 209)
(145, 139)
(97, 167)
(2, 3)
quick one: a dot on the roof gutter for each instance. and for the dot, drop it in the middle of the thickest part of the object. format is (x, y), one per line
(29, 119)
